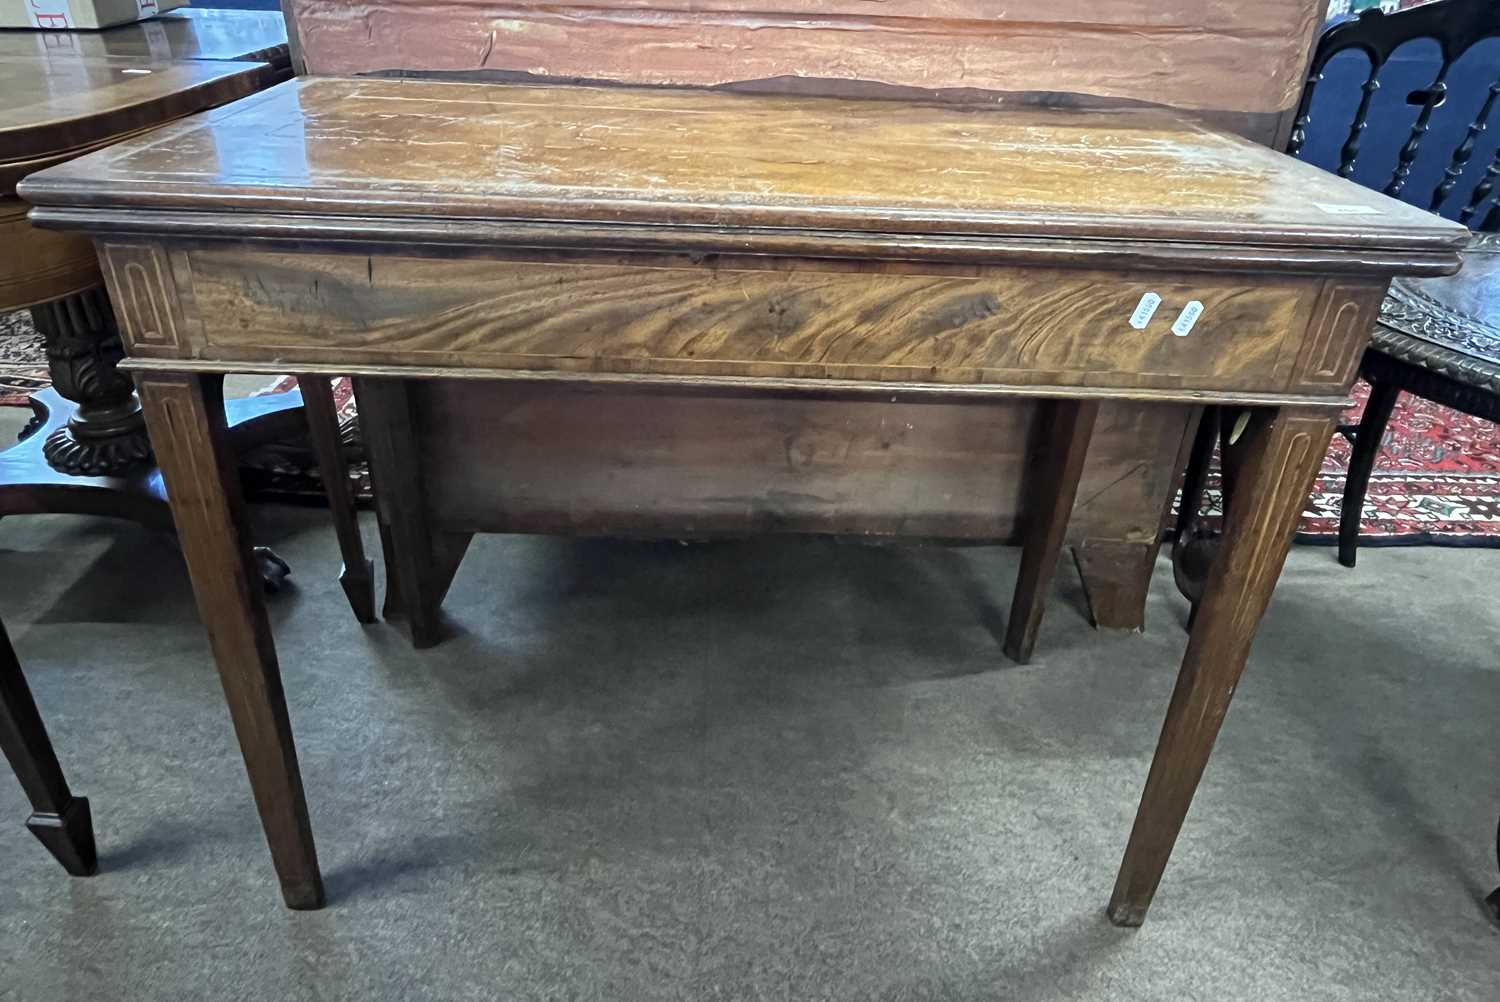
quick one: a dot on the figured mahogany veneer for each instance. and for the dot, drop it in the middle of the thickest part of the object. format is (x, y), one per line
(584, 309)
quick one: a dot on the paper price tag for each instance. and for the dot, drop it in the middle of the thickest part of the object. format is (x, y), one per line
(1347, 210)
(1189, 316)
(1145, 310)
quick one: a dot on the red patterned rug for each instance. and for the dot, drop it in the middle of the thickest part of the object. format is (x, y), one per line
(1437, 480)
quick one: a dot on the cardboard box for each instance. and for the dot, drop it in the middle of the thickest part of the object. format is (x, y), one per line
(62, 15)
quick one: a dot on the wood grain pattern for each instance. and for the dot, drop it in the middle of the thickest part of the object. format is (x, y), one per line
(73, 104)
(40, 265)
(795, 319)
(185, 415)
(622, 462)
(1185, 53)
(1273, 466)
(323, 149)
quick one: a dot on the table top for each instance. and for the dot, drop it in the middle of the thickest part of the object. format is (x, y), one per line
(1452, 324)
(429, 150)
(186, 33)
(54, 107)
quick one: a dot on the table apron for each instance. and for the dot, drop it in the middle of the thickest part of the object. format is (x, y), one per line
(746, 318)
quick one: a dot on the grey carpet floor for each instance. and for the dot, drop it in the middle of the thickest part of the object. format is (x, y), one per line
(776, 769)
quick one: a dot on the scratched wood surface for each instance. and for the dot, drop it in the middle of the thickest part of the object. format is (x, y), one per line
(417, 149)
(1215, 54)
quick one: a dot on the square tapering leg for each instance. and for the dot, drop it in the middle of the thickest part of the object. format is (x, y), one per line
(185, 414)
(1065, 445)
(357, 577)
(1273, 466)
(59, 820)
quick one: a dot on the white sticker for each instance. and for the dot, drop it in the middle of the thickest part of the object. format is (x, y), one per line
(1347, 210)
(1189, 316)
(49, 14)
(1145, 310)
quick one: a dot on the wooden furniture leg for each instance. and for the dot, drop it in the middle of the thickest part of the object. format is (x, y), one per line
(185, 415)
(1492, 902)
(385, 420)
(1383, 397)
(1196, 476)
(357, 577)
(1274, 463)
(59, 820)
(1068, 425)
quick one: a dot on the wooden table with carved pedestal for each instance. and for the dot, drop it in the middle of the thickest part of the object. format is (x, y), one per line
(491, 262)
(86, 450)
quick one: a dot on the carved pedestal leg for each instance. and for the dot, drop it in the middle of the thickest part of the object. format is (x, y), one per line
(358, 575)
(186, 416)
(1273, 465)
(106, 436)
(1067, 426)
(60, 821)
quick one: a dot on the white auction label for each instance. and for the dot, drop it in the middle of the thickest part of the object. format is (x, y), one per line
(1189, 316)
(1347, 210)
(1145, 310)
(50, 14)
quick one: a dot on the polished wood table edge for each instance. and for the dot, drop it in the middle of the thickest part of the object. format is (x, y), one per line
(376, 234)
(79, 184)
(755, 385)
(238, 79)
(13, 170)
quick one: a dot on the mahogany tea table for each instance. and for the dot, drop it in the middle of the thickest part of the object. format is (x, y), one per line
(471, 252)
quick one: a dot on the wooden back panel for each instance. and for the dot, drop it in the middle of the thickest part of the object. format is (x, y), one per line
(1217, 55)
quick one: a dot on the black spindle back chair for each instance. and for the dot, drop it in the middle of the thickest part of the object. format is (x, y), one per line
(1456, 26)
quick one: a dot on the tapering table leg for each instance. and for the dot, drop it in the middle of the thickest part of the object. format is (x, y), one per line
(386, 421)
(1065, 440)
(1273, 465)
(358, 574)
(59, 820)
(185, 414)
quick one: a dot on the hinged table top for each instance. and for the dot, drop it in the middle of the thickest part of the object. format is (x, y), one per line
(388, 149)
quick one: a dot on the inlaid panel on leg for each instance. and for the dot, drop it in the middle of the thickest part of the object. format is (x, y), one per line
(1273, 465)
(185, 415)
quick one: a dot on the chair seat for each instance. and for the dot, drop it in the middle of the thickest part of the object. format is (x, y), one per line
(1448, 326)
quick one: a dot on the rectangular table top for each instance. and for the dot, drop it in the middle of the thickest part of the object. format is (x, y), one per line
(435, 150)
